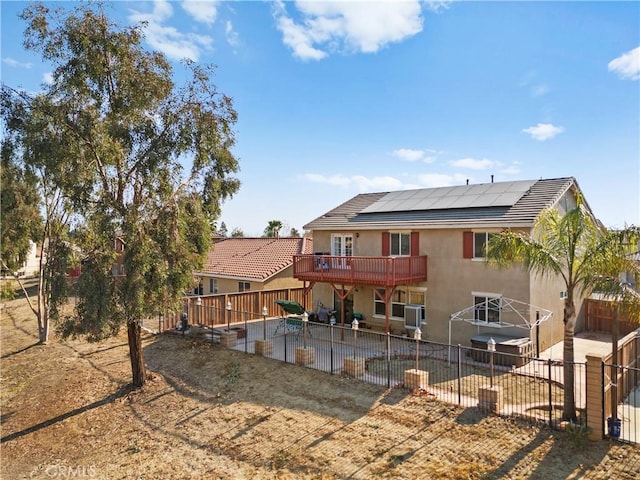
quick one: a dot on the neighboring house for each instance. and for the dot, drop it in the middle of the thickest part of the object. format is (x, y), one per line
(249, 264)
(373, 253)
(117, 269)
(31, 265)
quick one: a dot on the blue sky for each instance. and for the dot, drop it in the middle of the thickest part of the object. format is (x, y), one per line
(339, 98)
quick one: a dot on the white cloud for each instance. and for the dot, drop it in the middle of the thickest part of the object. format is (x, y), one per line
(204, 11)
(473, 163)
(627, 65)
(47, 78)
(168, 40)
(511, 170)
(543, 131)
(539, 90)
(433, 180)
(353, 26)
(15, 63)
(437, 5)
(356, 182)
(410, 155)
(295, 37)
(231, 34)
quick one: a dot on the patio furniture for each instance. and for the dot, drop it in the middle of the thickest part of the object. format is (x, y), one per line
(291, 319)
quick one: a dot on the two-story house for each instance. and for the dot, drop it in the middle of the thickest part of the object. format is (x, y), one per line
(415, 258)
(242, 264)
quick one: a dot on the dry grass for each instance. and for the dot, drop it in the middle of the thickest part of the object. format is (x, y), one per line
(207, 412)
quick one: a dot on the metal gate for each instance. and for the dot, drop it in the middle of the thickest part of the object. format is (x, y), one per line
(622, 391)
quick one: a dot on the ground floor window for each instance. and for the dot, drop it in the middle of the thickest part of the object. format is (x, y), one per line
(213, 285)
(487, 308)
(244, 286)
(400, 298)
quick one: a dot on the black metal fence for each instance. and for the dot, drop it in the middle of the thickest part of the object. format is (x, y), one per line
(529, 387)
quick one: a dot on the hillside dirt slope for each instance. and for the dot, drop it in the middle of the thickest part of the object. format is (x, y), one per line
(207, 412)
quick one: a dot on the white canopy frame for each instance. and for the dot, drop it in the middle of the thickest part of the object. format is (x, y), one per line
(520, 312)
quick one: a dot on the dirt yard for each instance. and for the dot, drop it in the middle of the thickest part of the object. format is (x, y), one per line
(207, 412)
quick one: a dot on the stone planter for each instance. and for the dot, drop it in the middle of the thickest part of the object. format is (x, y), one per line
(305, 356)
(264, 347)
(490, 398)
(416, 379)
(354, 367)
(228, 339)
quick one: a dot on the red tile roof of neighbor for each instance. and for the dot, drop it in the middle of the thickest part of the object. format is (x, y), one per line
(254, 258)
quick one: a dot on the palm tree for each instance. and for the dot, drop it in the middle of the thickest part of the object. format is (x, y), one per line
(576, 248)
(273, 229)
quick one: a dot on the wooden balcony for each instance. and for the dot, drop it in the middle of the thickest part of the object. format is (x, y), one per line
(375, 271)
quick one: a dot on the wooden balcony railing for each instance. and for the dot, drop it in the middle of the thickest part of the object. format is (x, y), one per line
(377, 271)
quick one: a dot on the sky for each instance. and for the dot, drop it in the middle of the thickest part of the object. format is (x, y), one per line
(340, 98)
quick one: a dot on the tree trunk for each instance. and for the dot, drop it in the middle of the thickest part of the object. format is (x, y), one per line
(42, 312)
(138, 370)
(569, 406)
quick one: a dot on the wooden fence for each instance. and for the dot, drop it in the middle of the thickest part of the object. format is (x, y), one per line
(223, 308)
(599, 318)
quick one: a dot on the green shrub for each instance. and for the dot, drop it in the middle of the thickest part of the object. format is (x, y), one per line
(8, 289)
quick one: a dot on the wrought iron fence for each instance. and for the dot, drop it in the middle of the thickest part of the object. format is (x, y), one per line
(529, 388)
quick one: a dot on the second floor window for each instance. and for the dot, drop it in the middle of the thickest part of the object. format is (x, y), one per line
(400, 244)
(213, 285)
(342, 245)
(244, 286)
(480, 240)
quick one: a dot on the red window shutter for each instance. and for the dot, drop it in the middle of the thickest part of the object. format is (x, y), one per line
(415, 244)
(386, 244)
(467, 244)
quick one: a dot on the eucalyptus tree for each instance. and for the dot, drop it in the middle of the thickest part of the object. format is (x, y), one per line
(577, 249)
(19, 201)
(33, 207)
(142, 159)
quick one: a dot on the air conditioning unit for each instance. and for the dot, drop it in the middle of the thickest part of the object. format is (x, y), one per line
(413, 316)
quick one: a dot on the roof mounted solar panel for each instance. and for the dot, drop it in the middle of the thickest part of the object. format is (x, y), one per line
(501, 194)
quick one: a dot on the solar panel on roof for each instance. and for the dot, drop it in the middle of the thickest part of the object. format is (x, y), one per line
(463, 196)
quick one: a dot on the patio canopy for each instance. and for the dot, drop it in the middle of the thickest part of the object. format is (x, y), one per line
(513, 313)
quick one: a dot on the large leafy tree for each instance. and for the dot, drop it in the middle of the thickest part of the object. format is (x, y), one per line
(21, 219)
(33, 207)
(577, 249)
(140, 158)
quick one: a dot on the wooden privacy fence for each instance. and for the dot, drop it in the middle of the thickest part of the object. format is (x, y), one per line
(222, 308)
(599, 318)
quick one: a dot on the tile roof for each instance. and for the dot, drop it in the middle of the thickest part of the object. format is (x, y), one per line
(522, 212)
(254, 258)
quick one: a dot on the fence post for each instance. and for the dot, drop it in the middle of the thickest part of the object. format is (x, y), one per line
(331, 347)
(549, 362)
(596, 396)
(459, 374)
(285, 345)
(388, 360)
(246, 332)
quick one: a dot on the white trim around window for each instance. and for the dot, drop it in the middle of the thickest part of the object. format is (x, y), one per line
(401, 297)
(488, 308)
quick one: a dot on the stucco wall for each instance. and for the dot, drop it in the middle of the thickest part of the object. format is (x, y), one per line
(283, 279)
(451, 281)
